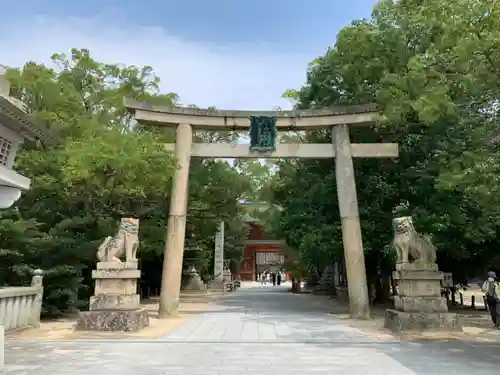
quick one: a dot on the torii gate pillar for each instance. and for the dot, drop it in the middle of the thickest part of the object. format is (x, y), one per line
(176, 226)
(343, 151)
(359, 304)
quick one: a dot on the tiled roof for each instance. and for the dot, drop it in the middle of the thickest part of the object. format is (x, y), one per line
(14, 118)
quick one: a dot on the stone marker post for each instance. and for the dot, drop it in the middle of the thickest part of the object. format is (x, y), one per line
(219, 257)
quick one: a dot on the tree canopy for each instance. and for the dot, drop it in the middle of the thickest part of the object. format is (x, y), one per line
(105, 168)
(432, 69)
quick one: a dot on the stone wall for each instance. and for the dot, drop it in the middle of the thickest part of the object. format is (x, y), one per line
(20, 307)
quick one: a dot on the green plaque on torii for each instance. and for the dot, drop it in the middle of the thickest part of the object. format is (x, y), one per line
(263, 134)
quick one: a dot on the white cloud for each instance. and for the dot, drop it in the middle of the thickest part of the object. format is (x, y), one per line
(227, 76)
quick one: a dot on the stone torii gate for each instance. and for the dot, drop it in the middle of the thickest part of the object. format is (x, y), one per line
(337, 119)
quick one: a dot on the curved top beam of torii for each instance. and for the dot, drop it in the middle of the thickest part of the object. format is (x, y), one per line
(217, 119)
(341, 149)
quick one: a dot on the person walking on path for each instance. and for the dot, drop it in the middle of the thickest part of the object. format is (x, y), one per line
(262, 278)
(492, 289)
(278, 278)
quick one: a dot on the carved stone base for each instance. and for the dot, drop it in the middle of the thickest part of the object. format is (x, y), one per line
(115, 286)
(419, 288)
(423, 281)
(116, 281)
(114, 301)
(421, 304)
(400, 321)
(416, 266)
(117, 320)
(117, 265)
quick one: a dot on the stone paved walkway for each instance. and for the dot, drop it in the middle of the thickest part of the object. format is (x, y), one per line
(255, 331)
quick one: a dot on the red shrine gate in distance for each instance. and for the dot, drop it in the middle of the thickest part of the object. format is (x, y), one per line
(261, 253)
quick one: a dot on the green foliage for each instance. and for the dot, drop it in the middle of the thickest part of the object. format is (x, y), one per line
(106, 167)
(432, 69)
(257, 173)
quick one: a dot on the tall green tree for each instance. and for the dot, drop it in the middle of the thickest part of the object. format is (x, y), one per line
(430, 67)
(105, 168)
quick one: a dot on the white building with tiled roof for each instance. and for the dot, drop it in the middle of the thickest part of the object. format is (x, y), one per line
(16, 127)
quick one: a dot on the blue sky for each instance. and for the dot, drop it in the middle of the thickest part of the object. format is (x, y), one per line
(229, 53)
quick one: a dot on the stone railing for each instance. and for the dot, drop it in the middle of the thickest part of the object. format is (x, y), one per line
(20, 307)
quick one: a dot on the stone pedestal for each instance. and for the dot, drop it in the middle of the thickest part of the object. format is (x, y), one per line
(326, 284)
(115, 305)
(419, 306)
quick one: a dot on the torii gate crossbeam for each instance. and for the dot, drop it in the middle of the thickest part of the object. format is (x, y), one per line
(338, 119)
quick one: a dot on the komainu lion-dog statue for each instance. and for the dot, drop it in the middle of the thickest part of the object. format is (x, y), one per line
(409, 244)
(125, 243)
